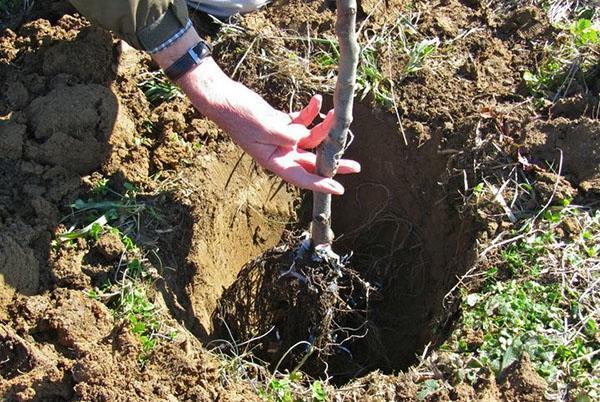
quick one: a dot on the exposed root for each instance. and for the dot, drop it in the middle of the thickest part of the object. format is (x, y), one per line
(318, 307)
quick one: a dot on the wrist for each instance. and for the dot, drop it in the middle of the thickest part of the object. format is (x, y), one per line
(172, 53)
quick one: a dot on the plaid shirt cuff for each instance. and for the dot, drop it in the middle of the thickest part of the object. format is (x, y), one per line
(173, 38)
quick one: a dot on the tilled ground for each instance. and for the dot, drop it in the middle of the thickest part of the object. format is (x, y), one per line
(71, 110)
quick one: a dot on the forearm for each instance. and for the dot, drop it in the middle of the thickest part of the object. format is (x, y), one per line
(276, 140)
(213, 93)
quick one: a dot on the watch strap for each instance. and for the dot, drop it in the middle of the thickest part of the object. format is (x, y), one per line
(191, 58)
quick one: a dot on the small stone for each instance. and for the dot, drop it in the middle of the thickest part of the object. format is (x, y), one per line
(446, 25)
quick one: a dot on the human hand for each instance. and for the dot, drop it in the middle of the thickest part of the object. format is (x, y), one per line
(276, 140)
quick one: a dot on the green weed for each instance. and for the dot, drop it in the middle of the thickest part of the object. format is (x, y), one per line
(419, 53)
(157, 88)
(536, 312)
(285, 388)
(428, 387)
(575, 51)
(129, 296)
(370, 78)
(106, 211)
(584, 32)
(136, 307)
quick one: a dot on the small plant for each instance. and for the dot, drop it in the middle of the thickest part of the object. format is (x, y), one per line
(428, 388)
(419, 54)
(286, 388)
(574, 51)
(545, 78)
(157, 88)
(129, 297)
(119, 215)
(142, 316)
(279, 390)
(584, 32)
(101, 188)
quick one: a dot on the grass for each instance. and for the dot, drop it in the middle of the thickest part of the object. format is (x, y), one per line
(539, 295)
(242, 366)
(419, 53)
(129, 294)
(374, 73)
(282, 389)
(239, 365)
(311, 61)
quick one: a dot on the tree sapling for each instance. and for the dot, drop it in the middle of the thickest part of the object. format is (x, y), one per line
(307, 311)
(331, 150)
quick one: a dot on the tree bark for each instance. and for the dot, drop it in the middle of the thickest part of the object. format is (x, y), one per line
(331, 150)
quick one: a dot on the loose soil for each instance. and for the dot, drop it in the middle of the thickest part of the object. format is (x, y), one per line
(71, 109)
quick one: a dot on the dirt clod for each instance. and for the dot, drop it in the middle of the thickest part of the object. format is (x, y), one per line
(577, 143)
(19, 271)
(522, 383)
(110, 246)
(11, 139)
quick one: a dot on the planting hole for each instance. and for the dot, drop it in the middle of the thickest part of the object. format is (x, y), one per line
(400, 221)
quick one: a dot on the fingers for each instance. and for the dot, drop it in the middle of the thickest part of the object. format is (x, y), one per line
(318, 133)
(297, 167)
(295, 133)
(289, 135)
(295, 174)
(308, 114)
(308, 161)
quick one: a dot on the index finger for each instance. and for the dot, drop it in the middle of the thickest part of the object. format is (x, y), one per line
(308, 114)
(318, 133)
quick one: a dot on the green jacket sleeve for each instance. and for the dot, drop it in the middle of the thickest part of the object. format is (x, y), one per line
(144, 24)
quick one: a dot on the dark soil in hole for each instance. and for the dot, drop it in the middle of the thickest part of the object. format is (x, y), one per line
(409, 242)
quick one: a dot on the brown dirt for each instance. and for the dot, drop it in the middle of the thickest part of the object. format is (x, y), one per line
(575, 141)
(522, 383)
(71, 109)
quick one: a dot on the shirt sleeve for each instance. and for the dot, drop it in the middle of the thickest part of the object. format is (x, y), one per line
(150, 25)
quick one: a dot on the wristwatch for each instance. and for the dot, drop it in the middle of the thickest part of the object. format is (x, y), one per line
(191, 58)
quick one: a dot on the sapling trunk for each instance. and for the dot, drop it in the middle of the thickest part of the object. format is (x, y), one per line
(331, 150)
